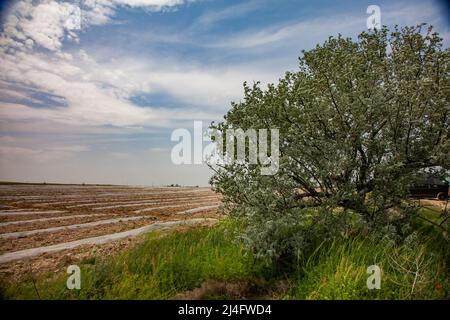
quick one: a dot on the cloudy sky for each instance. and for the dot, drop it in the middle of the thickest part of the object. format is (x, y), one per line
(90, 90)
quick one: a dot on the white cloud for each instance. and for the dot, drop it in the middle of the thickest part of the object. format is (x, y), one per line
(28, 154)
(95, 94)
(98, 12)
(96, 85)
(98, 93)
(47, 22)
(120, 155)
(158, 4)
(309, 32)
(211, 88)
(231, 12)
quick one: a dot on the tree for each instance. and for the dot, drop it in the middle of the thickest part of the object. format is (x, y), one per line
(357, 122)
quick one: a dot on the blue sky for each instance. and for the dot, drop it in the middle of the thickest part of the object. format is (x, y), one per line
(90, 90)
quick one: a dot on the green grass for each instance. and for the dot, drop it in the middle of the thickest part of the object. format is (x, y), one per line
(164, 265)
(338, 270)
(416, 268)
(158, 268)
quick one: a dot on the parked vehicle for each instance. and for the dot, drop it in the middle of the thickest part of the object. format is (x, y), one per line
(430, 187)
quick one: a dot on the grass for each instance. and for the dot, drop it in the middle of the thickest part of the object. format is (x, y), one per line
(163, 266)
(158, 268)
(338, 270)
(416, 268)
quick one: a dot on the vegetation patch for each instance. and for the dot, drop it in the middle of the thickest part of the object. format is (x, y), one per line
(208, 263)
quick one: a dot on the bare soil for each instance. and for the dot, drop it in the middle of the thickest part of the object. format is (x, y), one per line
(88, 200)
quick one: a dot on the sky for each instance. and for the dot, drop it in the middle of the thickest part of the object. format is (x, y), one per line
(91, 90)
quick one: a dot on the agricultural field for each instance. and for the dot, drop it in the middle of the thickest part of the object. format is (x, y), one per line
(319, 132)
(48, 227)
(175, 243)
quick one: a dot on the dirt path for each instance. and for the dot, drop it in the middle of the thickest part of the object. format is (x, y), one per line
(31, 212)
(52, 218)
(433, 203)
(159, 201)
(168, 207)
(20, 234)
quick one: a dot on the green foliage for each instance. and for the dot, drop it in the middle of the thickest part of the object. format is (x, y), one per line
(161, 267)
(156, 269)
(357, 123)
(337, 270)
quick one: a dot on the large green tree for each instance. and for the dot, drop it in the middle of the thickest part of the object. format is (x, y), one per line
(357, 122)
